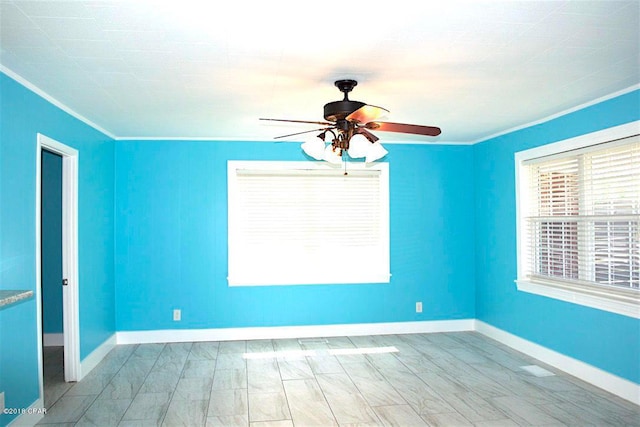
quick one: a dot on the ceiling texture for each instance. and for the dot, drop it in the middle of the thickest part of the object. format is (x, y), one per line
(209, 70)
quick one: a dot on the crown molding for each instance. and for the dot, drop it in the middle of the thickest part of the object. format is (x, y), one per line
(41, 93)
(559, 114)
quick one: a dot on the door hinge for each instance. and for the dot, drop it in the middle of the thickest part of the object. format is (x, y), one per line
(65, 282)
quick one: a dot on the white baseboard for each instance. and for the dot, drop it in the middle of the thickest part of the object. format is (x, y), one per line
(96, 356)
(34, 414)
(53, 340)
(612, 383)
(282, 332)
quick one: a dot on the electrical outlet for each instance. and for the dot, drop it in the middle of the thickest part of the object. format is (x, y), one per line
(177, 315)
(2, 403)
(419, 307)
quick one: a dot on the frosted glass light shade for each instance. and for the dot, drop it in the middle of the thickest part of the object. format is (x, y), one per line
(358, 146)
(314, 147)
(375, 152)
(332, 156)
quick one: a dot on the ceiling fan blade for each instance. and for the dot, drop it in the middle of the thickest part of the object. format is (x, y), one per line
(404, 128)
(366, 114)
(370, 137)
(299, 121)
(300, 133)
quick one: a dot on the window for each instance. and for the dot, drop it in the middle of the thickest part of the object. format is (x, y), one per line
(579, 220)
(296, 223)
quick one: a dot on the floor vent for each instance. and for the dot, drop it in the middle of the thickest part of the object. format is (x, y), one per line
(537, 371)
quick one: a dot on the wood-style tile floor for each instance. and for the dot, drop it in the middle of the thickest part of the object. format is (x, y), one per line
(443, 379)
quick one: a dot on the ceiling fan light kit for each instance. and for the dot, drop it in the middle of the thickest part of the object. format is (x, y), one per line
(332, 154)
(314, 147)
(359, 146)
(349, 123)
(376, 152)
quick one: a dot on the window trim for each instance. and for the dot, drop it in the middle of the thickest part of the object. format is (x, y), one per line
(382, 170)
(621, 301)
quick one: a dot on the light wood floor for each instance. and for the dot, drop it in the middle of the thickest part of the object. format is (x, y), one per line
(447, 379)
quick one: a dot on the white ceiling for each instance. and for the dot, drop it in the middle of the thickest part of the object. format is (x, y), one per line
(190, 69)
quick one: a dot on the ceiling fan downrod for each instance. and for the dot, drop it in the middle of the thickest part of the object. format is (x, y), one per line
(346, 86)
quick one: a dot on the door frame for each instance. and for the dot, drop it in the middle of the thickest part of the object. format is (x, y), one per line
(70, 302)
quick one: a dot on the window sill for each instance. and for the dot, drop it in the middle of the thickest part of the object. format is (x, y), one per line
(620, 301)
(310, 280)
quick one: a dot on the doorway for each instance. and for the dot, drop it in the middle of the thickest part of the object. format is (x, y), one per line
(67, 160)
(51, 268)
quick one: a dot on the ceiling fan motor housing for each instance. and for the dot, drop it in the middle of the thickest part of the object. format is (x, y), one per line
(338, 110)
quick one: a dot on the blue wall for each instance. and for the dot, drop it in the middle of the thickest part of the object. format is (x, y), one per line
(51, 243)
(23, 115)
(605, 340)
(171, 241)
(153, 237)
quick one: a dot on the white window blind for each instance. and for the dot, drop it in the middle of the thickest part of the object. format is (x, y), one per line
(302, 223)
(582, 216)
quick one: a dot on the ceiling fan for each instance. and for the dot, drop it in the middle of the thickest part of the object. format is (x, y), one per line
(350, 123)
